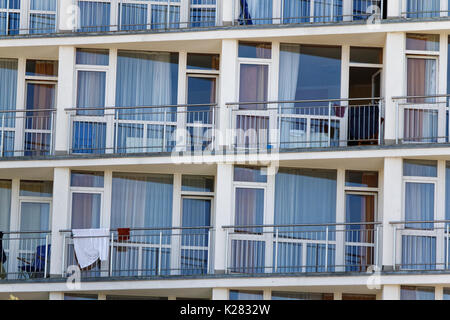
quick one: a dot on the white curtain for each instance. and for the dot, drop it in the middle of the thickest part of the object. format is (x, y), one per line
(5, 208)
(133, 16)
(419, 204)
(255, 11)
(94, 16)
(292, 133)
(327, 10)
(296, 11)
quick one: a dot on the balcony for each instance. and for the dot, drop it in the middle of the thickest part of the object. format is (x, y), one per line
(302, 248)
(422, 119)
(26, 255)
(27, 133)
(288, 125)
(148, 252)
(127, 130)
(421, 245)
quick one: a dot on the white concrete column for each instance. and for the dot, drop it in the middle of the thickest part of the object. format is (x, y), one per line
(394, 81)
(66, 97)
(60, 217)
(337, 296)
(392, 207)
(227, 89)
(391, 292)
(171, 298)
(56, 296)
(223, 213)
(394, 8)
(227, 10)
(67, 15)
(442, 82)
(340, 218)
(439, 293)
(219, 294)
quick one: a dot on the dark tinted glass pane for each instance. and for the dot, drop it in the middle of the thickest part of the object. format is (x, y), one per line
(197, 183)
(361, 179)
(42, 68)
(36, 188)
(255, 50)
(201, 61)
(366, 55)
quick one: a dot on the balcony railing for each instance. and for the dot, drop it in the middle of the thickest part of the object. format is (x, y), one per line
(307, 123)
(106, 16)
(302, 248)
(249, 12)
(422, 119)
(27, 132)
(146, 252)
(26, 255)
(424, 9)
(147, 129)
(421, 245)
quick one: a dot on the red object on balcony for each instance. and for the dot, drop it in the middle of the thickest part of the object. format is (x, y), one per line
(124, 234)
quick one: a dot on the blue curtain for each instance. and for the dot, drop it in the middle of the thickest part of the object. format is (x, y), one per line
(422, 8)
(8, 95)
(94, 16)
(360, 8)
(146, 79)
(40, 22)
(296, 11)
(327, 10)
(196, 213)
(419, 204)
(159, 17)
(418, 252)
(417, 293)
(133, 16)
(9, 19)
(255, 12)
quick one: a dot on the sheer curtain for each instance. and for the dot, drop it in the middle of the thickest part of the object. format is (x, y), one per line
(255, 12)
(8, 95)
(86, 209)
(5, 208)
(296, 11)
(291, 133)
(327, 10)
(421, 125)
(146, 79)
(133, 16)
(305, 196)
(43, 22)
(422, 8)
(94, 16)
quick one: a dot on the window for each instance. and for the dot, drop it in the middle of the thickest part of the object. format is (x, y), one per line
(94, 15)
(446, 294)
(366, 55)
(298, 192)
(203, 13)
(197, 183)
(144, 14)
(73, 296)
(250, 174)
(202, 61)
(363, 179)
(420, 123)
(42, 68)
(301, 296)
(9, 17)
(146, 79)
(87, 194)
(36, 188)
(416, 293)
(246, 295)
(5, 207)
(42, 16)
(8, 96)
(420, 168)
(309, 73)
(422, 8)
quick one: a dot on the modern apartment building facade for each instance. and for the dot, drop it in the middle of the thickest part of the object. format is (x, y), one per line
(232, 149)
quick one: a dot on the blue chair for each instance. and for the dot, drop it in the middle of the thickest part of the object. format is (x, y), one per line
(36, 267)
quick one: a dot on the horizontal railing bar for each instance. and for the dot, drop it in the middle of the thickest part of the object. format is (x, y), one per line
(25, 232)
(145, 107)
(429, 96)
(407, 222)
(26, 111)
(303, 225)
(300, 101)
(152, 229)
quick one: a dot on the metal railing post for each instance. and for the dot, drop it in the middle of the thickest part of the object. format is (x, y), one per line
(111, 255)
(115, 124)
(46, 256)
(208, 263)
(397, 124)
(276, 251)
(164, 145)
(326, 249)
(376, 248)
(329, 123)
(394, 250)
(160, 253)
(226, 250)
(63, 256)
(2, 135)
(446, 256)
